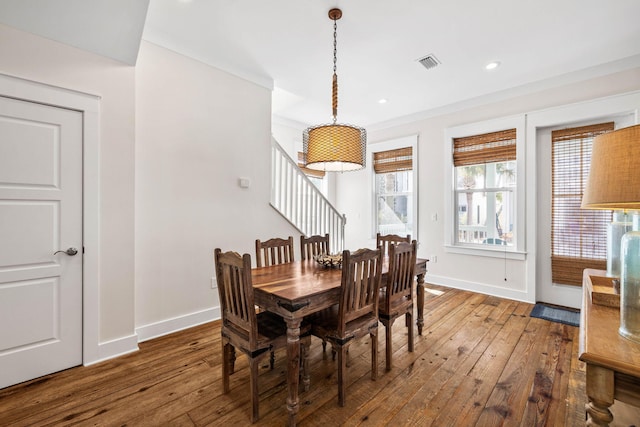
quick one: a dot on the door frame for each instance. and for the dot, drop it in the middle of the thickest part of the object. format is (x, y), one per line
(89, 106)
(616, 105)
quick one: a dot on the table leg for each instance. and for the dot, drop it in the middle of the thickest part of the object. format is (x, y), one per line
(293, 367)
(600, 390)
(420, 302)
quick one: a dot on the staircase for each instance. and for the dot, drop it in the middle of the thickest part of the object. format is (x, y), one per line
(295, 197)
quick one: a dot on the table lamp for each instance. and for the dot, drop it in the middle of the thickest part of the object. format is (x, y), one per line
(614, 184)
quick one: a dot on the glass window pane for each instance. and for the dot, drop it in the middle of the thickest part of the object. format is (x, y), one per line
(470, 177)
(394, 182)
(395, 202)
(505, 174)
(317, 182)
(486, 217)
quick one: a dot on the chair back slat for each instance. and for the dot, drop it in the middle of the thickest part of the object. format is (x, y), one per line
(313, 245)
(402, 262)
(235, 289)
(274, 251)
(361, 273)
(387, 239)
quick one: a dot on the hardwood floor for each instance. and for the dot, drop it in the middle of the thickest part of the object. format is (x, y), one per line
(481, 361)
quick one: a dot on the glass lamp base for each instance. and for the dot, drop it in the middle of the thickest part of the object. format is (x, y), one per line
(615, 230)
(629, 335)
(630, 286)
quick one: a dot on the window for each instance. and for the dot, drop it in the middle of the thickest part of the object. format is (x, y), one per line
(394, 191)
(578, 236)
(485, 181)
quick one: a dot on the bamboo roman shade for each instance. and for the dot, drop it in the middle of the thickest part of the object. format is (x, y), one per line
(400, 159)
(306, 170)
(578, 236)
(486, 148)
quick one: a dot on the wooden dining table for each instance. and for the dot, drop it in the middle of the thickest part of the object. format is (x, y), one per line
(298, 289)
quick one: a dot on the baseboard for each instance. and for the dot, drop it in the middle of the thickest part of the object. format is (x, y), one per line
(175, 324)
(114, 348)
(481, 288)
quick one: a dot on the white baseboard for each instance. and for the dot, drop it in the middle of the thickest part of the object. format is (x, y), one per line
(114, 348)
(481, 288)
(164, 327)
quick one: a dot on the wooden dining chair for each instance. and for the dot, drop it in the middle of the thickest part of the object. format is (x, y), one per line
(313, 245)
(396, 295)
(254, 334)
(387, 239)
(274, 251)
(356, 315)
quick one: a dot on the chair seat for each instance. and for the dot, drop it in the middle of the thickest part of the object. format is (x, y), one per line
(272, 332)
(398, 307)
(324, 325)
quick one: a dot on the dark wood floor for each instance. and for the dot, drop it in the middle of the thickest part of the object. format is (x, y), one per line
(480, 361)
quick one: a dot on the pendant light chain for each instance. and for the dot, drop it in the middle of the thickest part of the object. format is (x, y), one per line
(334, 92)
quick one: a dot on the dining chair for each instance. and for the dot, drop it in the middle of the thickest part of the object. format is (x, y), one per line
(274, 251)
(385, 240)
(254, 334)
(313, 245)
(396, 295)
(356, 314)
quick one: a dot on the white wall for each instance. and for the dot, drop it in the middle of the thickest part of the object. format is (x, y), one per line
(481, 274)
(198, 130)
(34, 58)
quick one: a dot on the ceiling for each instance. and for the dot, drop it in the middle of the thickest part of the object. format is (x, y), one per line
(287, 45)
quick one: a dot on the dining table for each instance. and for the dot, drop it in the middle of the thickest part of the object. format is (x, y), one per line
(295, 290)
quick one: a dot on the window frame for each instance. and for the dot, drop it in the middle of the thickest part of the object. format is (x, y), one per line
(517, 250)
(407, 141)
(313, 175)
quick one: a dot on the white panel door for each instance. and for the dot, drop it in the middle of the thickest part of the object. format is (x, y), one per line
(40, 213)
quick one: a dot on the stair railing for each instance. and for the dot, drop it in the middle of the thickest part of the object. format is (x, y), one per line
(301, 203)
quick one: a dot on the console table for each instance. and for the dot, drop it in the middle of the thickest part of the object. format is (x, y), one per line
(613, 362)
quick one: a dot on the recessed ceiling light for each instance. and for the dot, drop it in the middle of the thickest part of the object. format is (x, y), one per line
(492, 65)
(382, 101)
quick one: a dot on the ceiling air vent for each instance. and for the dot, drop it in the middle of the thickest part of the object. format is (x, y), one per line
(429, 61)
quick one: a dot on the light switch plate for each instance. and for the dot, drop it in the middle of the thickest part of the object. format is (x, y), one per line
(244, 182)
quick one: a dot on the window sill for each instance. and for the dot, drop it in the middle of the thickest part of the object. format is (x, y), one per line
(497, 252)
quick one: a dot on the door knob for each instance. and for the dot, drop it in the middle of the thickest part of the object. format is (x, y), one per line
(70, 252)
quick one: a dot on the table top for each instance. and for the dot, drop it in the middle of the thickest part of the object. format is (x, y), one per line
(301, 279)
(600, 342)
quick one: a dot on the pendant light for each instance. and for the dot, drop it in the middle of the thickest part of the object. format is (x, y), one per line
(335, 147)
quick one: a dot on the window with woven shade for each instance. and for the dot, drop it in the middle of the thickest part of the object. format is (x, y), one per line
(394, 191)
(307, 171)
(578, 236)
(485, 188)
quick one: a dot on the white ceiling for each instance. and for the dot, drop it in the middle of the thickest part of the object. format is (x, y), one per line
(288, 45)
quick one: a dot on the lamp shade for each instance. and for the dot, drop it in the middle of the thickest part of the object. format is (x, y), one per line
(614, 177)
(335, 147)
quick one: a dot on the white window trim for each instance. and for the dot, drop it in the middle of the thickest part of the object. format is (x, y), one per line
(407, 141)
(517, 251)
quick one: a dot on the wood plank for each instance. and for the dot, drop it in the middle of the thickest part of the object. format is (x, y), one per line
(517, 378)
(541, 395)
(400, 406)
(435, 394)
(473, 392)
(560, 382)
